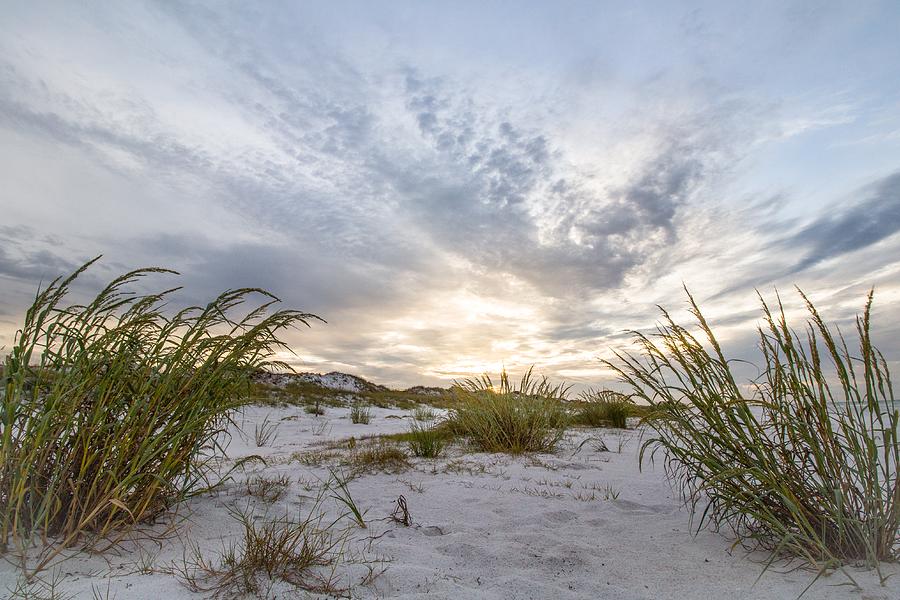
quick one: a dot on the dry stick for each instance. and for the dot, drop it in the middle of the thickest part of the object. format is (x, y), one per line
(401, 512)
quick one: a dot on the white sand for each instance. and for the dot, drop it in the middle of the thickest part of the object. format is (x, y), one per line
(485, 526)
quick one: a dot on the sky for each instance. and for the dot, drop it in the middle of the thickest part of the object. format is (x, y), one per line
(459, 187)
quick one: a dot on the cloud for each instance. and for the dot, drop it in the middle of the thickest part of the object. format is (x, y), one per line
(844, 229)
(301, 274)
(501, 195)
(787, 249)
(442, 216)
(25, 254)
(469, 181)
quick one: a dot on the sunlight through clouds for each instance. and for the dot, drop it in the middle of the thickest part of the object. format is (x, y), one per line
(455, 199)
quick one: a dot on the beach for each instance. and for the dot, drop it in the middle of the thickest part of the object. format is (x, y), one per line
(582, 522)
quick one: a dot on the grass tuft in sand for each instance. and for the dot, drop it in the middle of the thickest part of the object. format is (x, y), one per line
(382, 456)
(267, 488)
(300, 551)
(113, 411)
(426, 440)
(360, 414)
(603, 408)
(802, 461)
(528, 417)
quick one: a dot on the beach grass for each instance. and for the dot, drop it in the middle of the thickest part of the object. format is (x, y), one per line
(267, 488)
(603, 408)
(113, 411)
(802, 461)
(265, 432)
(512, 418)
(381, 456)
(426, 440)
(300, 551)
(339, 485)
(424, 414)
(360, 414)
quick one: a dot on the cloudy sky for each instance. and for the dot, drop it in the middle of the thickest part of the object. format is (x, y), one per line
(459, 186)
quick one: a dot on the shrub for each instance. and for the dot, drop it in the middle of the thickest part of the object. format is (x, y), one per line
(529, 417)
(598, 408)
(426, 441)
(121, 412)
(360, 413)
(806, 462)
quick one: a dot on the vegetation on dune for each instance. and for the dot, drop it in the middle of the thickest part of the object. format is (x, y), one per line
(315, 397)
(112, 410)
(424, 414)
(382, 456)
(804, 462)
(426, 440)
(300, 551)
(267, 489)
(360, 414)
(401, 399)
(603, 408)
(528, 417)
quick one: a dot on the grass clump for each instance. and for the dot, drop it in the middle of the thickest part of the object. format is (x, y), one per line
(267, 489)
(603, 408)
(360, 413)
(424, 414)
(111, 411)
(528, 417)
(426, 440)
(265, 432)
(802, 461)
(381, 456)
(294, 550)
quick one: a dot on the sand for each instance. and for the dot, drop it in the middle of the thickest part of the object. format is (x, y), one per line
(579, 523)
